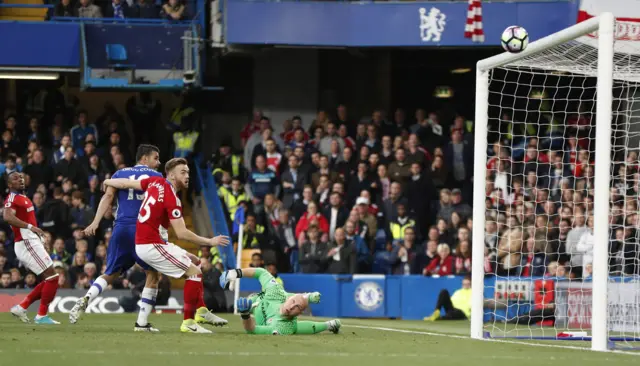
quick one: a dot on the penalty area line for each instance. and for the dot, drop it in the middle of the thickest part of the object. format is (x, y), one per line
(454, 336)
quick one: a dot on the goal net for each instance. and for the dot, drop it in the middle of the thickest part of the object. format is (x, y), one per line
(556, 190)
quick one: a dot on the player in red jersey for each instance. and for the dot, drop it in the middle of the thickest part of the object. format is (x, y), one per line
(20, 214)
(161, 207)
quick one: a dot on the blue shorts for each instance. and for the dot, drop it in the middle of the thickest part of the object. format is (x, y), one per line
(121, 252)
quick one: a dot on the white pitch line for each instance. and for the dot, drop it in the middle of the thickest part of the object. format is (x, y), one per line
(486, 340)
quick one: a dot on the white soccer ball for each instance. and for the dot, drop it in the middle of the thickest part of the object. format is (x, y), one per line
(515, 39)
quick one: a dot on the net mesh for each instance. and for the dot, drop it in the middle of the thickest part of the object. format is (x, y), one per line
(539, 196)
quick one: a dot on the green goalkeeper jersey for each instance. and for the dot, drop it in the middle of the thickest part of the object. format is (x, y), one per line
(267, 312)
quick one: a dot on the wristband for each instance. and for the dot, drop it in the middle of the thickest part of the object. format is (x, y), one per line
(29, 226)
(245, 316)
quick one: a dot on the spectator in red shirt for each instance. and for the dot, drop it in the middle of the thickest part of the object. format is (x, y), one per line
(444, 265)
(312, 217)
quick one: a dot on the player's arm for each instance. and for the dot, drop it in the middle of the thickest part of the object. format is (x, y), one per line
(9, 216)
(244, 306)
(183, 233)
(123, 183)
(103, 206)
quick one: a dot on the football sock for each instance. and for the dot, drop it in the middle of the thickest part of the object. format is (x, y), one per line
(48, 294)
(96, 289)
(200, 303)
(307, 327)
(148, 300)
(192, 289)
(33, 296)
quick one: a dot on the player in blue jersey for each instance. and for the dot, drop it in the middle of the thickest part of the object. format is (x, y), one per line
(121, 254)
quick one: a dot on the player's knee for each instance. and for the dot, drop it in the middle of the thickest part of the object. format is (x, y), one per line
(193, 271)
(152, 279)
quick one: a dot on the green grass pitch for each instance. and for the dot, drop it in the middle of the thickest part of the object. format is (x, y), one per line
(109, 340)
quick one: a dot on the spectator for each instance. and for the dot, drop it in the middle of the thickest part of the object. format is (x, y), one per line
(87, 9)
(39, 171)
(335, 214)
(254, 235)
(324, 169)
(256, 260)
(173, 10)
(313, 252)
(463, 209)
(424, 256)
(443, 265)
(463, 258)
(64, 9)
(81, 214)
(261, 182)
(5, 280)
(459, 156)
(342, 255)
(54, 215)
(293, 182)
(118, 9)
(312, 218)
(400, 170)
(398, 226)
(455, 307)
(300, 206)
(70, 168)
(358, 182)
(16, 278)
(573, 239)
(60, 253)
(403, 255)
(390, 205)
(286, 235)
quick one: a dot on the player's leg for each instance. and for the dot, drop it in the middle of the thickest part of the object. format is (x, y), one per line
(444, 301)
(33, 255)
(203, 315)
(173, 261)
(119, 259)
(309, 327)
(147, 299)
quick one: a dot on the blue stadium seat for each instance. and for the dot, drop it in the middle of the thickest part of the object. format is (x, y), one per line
(117, 58)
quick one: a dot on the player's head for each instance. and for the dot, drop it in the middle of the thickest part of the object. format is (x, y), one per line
(294, 306)
(16, 181)
(148, 155)
(177, 171)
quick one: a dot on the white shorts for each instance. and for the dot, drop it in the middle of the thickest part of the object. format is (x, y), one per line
(32, 254)
(168, 259)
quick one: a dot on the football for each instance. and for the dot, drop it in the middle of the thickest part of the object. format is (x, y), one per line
(514, 39)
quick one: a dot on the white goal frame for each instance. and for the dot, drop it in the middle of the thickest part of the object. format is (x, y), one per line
(605, 26)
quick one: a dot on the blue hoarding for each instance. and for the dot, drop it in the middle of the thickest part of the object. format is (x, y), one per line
(354, 24)
(39, 44)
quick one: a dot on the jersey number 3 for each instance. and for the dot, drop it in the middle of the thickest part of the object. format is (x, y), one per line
(145, 208)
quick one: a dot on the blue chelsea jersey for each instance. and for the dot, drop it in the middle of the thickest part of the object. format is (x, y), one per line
(129, 200)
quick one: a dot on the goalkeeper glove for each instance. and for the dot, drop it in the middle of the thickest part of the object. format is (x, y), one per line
(244, 305)
(314, 297)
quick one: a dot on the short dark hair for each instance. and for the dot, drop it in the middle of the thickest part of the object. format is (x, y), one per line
(174, 163)
(256, 253)
(6, 273)
(78, 195)
(146, 149)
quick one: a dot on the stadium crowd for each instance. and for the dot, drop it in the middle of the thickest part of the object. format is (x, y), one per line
(393, 196)
(122, 9)
(354, 196)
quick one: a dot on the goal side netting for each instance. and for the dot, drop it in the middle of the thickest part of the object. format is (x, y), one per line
(556, 189)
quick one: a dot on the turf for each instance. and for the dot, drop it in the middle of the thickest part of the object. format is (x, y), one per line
(109, 340)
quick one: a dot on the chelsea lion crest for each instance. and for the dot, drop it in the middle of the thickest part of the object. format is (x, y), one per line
(369, 296)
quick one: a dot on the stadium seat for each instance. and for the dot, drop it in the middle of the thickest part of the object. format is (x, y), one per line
(246, 257)
(117, 58)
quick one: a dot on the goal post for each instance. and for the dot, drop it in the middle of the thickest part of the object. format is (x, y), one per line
(546, 59)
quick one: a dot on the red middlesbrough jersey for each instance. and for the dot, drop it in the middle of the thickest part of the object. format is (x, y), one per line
(24, 209)
(160, 205)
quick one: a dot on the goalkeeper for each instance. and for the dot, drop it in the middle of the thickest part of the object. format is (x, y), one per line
(275, 311)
